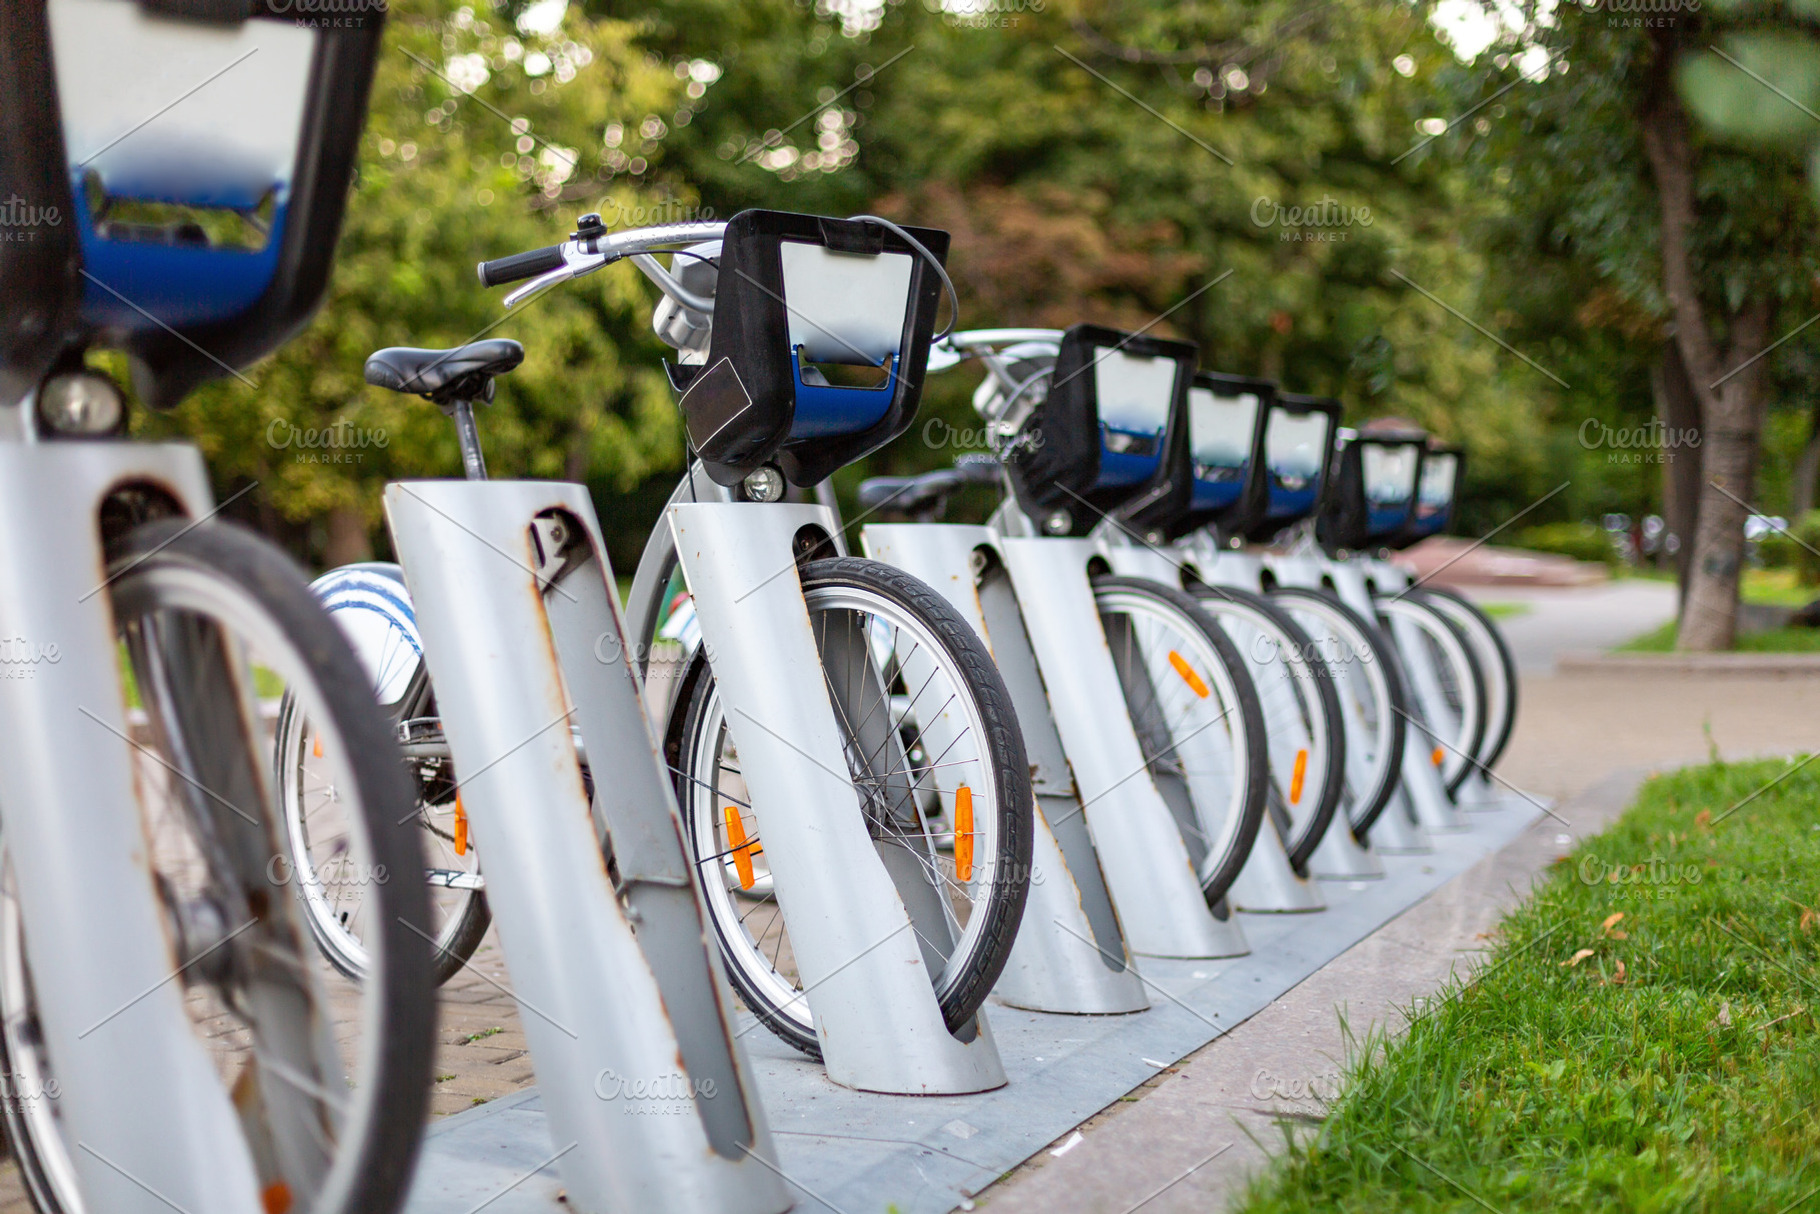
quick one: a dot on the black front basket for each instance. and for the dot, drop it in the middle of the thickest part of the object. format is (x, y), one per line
(1297, 466)
(1374, 491)
(1110, 437)
(800, 297)
(132, 250)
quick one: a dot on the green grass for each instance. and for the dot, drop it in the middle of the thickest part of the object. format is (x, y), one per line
(1774, 640)
(1647, 1045)
(267, 684)
(1769, 587)
(1776, 588)
(1504, 611)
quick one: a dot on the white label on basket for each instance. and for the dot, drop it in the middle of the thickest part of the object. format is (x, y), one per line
(1134, 393)
(177, 110)
(1220, 426)
(845, 307)
(1293, 445)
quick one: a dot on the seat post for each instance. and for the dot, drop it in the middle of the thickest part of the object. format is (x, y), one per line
(473, 463)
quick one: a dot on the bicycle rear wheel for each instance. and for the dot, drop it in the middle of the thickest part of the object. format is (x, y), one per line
(937, 760)
(331, 1078)
(372, 605)
(1303, 732)
(1372, 702)
(1198, 721)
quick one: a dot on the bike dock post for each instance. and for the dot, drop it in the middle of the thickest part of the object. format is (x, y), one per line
(1135, 834)
(167, 1131)
(1070, 955)
(522, 634)
(880, 1026)
(1434, 807)
(1267, 883)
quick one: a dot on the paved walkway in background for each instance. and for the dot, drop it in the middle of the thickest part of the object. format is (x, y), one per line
(1591, 617)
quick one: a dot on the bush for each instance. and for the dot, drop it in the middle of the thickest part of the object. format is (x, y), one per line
(1776, 551)
(1804, 547)
(1582, 541)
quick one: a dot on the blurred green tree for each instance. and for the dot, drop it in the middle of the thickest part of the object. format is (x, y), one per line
(1708, 241)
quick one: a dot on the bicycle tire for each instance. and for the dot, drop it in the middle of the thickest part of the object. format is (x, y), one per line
(366, 599)
(1310, 680)
(1376, 756)
(697, 727)
(1227, 843)
(1463, 685)
(168, 562)
(1492, 648)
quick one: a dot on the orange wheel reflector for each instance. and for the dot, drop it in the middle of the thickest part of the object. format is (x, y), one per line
(461, 827)
(276, 1198)
(1437, 756)
(963, 833)
(742, 850)
(1297, 776)
(1188, 675)
(316, 748)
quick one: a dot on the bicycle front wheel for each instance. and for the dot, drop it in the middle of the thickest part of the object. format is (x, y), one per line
(330, 1078)
(1303, 732)
(938, 766)
(1496, 663)
(1198, 721)
(1446, 684)
(1373, 707)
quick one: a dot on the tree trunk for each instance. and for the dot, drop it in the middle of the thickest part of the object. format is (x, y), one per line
(1729, 397)
(1679, 410)
(348, 539)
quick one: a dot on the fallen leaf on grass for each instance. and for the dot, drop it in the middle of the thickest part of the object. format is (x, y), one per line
(1703, 817)
(1724, 1018)
(1617, 978)
(1578, 957)
(1808, 918)
(1606, 928)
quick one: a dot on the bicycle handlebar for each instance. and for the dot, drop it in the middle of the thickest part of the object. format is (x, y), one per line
(585, 254)
(502, 270)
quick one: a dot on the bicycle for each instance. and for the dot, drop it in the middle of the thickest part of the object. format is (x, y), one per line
(158, 995)
(902, 668)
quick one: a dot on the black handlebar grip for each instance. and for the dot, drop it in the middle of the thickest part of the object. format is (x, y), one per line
(519, 265)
